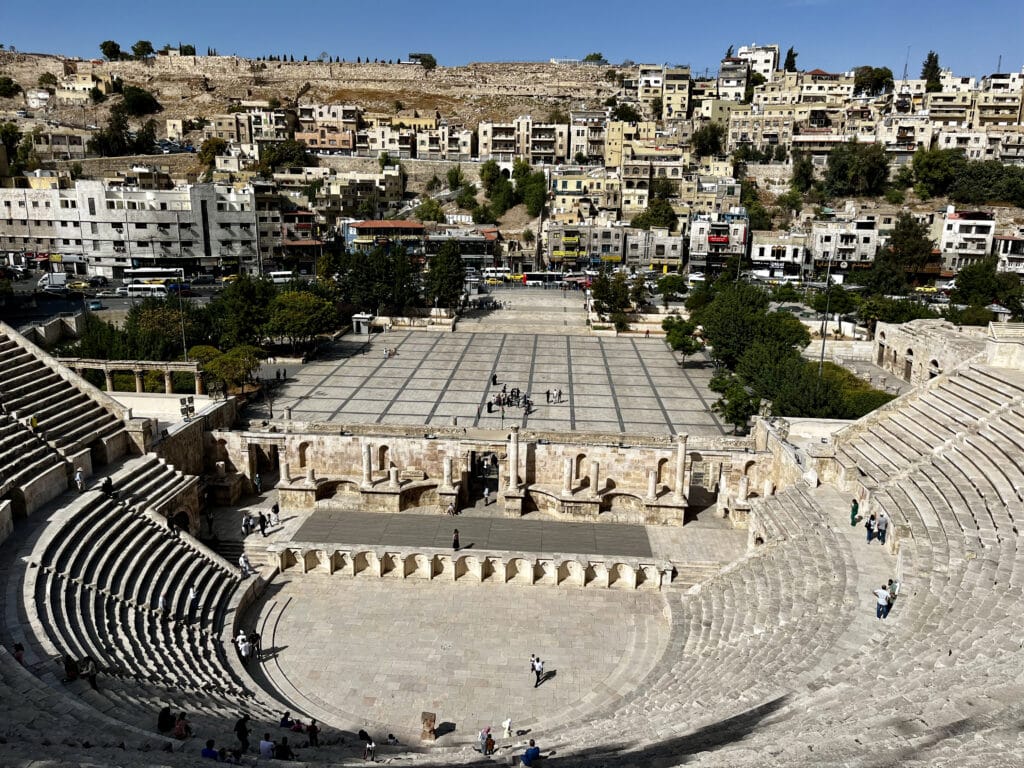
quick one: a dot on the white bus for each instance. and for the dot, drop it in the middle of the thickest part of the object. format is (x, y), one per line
(500, 273)
(280, 278)
(145, 291)
(169, 278)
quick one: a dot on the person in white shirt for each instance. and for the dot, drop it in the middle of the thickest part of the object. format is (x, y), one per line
(266, 746)
(882, 596)
(245, 565)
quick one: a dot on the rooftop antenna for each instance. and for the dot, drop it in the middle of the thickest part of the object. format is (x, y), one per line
(999, 65)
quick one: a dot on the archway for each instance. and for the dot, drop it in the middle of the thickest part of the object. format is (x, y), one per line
(303, 454)
(934, 369)
(383, 458)
(908, 364)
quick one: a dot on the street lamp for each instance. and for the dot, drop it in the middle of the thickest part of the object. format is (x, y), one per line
(181, 312)
(824, 320)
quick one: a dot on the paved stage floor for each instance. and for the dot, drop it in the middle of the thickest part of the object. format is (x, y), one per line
(487, 533)
(609, 384)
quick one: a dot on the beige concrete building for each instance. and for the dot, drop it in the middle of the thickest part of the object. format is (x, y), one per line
(538, 143)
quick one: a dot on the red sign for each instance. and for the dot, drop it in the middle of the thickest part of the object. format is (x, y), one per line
(718, 239)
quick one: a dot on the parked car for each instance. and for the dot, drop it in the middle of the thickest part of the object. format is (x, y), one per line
(78, 285)
(95, 305)
(121, 290)
(98, 280)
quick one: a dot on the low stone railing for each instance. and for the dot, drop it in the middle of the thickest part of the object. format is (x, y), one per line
(473, 566)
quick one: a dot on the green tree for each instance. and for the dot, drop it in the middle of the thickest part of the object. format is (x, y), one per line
(235, 367)
(466, 199)
(671, 286)
(445, 279)
(483, 214)
(209, 150)
(936, 170)
(856, 169)
(139, 101)
(10, 137)
(706, 141)
(872, 81)
(382, 281)
(186, 49)
(595, 58)
(113, 140)
(659, 213)
(662, 188)
(528, 236)
(47, 80)
(656, 107)
(299, 317)
(142, 50)
(430, 210)
(755, 80)
(490, 172)
(433, 184)
(534, 192)
(736, 405)
(153, 328)
(980, 284)
(426, 60)
(502, 196)
(8, 88)
(455, 178)
(239, 312)
(909, 242)
(789, 65)
(680, 336)
(284, 154)
(732, 319)
(626, 113)
(931, 73)
(110, 50)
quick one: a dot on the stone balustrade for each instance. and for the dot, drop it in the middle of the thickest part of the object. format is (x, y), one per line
(476, 566)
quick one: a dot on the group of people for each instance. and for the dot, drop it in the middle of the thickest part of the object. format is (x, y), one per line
(510, 399)
(553, 395)
(885, 596)
(85, 667)
(877, 526)
(249, 646)
(261, 521)
(390, 352)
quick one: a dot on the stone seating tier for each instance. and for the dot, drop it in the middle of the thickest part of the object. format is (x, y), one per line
(23, 456)
(67, 417)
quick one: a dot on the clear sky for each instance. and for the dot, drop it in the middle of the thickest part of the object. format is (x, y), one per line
(834, 35)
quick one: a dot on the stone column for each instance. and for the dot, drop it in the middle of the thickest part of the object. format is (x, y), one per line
(108, 380)
(168, 383)
(447, 481)
(311, 476)
(367, 464)
(138, 381)
(595, 476)
(744, 489)
(680, 485)
(288, 412)
(513, 460)
(283, 467)
(199, 383)
(567, 477)
(652, 483)
(393, 477)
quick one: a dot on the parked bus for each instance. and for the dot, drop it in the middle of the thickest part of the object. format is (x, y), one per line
(280, 278)
(500, 273)
(543, 278)
(171, 279)
(145, 291)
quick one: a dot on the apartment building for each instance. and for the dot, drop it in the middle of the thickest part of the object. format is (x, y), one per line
(445, 142)
(60, 143)
(655, 249)
(779, 255)
(75, 90)
(621, 137)
(733, 73)
(675, 99)
(578, 194)
(346, 193)
(580, 246)
(950, 108)
(538, 143)
(248, 127)
(650, 86)
(841, 247)
(201, 228)
(760, 127)
(587, 134)
(717, 237)
(967, 238)
(763, 59)
(1009, 251)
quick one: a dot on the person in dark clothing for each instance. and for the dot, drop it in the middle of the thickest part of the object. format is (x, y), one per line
(262, 520)
(313, 732)
(283, 751)
(165, 720)
(242, 732)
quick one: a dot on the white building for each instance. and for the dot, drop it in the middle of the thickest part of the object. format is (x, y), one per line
(763, 59)
(967, 238)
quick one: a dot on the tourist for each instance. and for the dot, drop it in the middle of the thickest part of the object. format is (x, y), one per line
(363, 735)
(538, 669)
(107, 487)
(161, 603)
(257, 482)
(455, 540)
(256, 644)
(531, 755)
(483, 736)
(210, 751)
(286, 720)
(245, 565)
(266, 747)
(506, 724)
(193, 603)
(369, 750)
(283, 751)
(275, 515)
(33, 424)
(182, 728)
(165, 720)
(79, 480)
(882, 601)
(245, 650)
(547, 395)
(391, 740)
(242, 732)
(89, 671)
(883, 526)
(870, 526)
(19, 653)
(487, 495)
(894, 591)
(489, 745)
(71, 671)
(313, 732)
(262, 520)
(854, 509)
(451, 508)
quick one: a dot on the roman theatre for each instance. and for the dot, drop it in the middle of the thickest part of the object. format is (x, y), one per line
(697, 596)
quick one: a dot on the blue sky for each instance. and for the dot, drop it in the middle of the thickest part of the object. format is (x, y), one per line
(830, 34)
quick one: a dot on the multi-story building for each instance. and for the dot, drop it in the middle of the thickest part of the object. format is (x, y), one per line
(655, 249)
(717, 237)
(587, 135)
(327, 139)
(201, 228)
(446, 142)
(967, 238)
(763, 59)
(950, 108)
(619, 136)
(60, 143)
(650, 85)
(579, 193)
(538, 143)
(732, 79)
(1009, 251)
(409, 236)
(76, 89)
(842, 247)
(579, 246)
(778, 255)
(675, 99)
(760, 127)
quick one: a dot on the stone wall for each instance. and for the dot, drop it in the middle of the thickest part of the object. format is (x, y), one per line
(925, 348)
(184, 446)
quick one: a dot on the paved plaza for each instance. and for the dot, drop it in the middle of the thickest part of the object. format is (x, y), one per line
(375, 654)
(626, 385)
